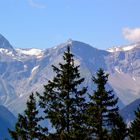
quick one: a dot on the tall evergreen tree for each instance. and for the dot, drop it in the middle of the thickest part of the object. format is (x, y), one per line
(119, 128)
(134, 132)
(27, 127)
(101, 108)
(63, 100)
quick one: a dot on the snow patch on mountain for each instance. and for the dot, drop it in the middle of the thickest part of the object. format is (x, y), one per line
(134, 78)
(123, 48)
(35, 68)
(20, 95)
(6, 52)
(127, 48)
(25, 66)
(31, 52)
(117, 69)
(33, 72)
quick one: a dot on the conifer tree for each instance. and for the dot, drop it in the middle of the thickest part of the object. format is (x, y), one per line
(134, 132)
(101, 108)
(27, 127)
(119, 129)
(63, 100)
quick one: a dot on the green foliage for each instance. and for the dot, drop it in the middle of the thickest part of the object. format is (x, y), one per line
(27, 127)
(101, 109)
(63, 101)
(134, 132)
(119, 129)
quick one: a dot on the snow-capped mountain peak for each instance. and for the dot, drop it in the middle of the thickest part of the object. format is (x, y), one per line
(124, 48)
(30, 52)
(6, 49)
(23, 71)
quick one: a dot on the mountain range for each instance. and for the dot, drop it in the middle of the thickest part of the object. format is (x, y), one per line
(23, 71)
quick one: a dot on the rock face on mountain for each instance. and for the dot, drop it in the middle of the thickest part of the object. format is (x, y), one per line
(4, 43)
(124, 69)
(23, 71)
(7, 120)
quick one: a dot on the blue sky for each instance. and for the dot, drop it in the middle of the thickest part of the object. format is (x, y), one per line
(46, 23)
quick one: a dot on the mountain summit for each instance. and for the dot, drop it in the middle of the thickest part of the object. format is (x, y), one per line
(27, 70)
(4, 43)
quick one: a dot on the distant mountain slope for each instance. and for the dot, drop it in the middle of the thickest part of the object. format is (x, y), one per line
(23, 71)
(124, 69)
(128, 113)
(7, 120)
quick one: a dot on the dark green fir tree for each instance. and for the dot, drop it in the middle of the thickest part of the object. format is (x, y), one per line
(119, 130)
(134, 131)
(101, 108)
(27, 126)
(63, 100)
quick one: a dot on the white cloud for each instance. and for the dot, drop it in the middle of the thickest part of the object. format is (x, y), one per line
(132, 34)
(34, 4)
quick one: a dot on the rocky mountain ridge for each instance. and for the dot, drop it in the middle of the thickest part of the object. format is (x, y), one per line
(23, 71)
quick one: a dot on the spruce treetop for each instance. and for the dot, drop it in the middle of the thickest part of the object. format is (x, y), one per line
(64, 99)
